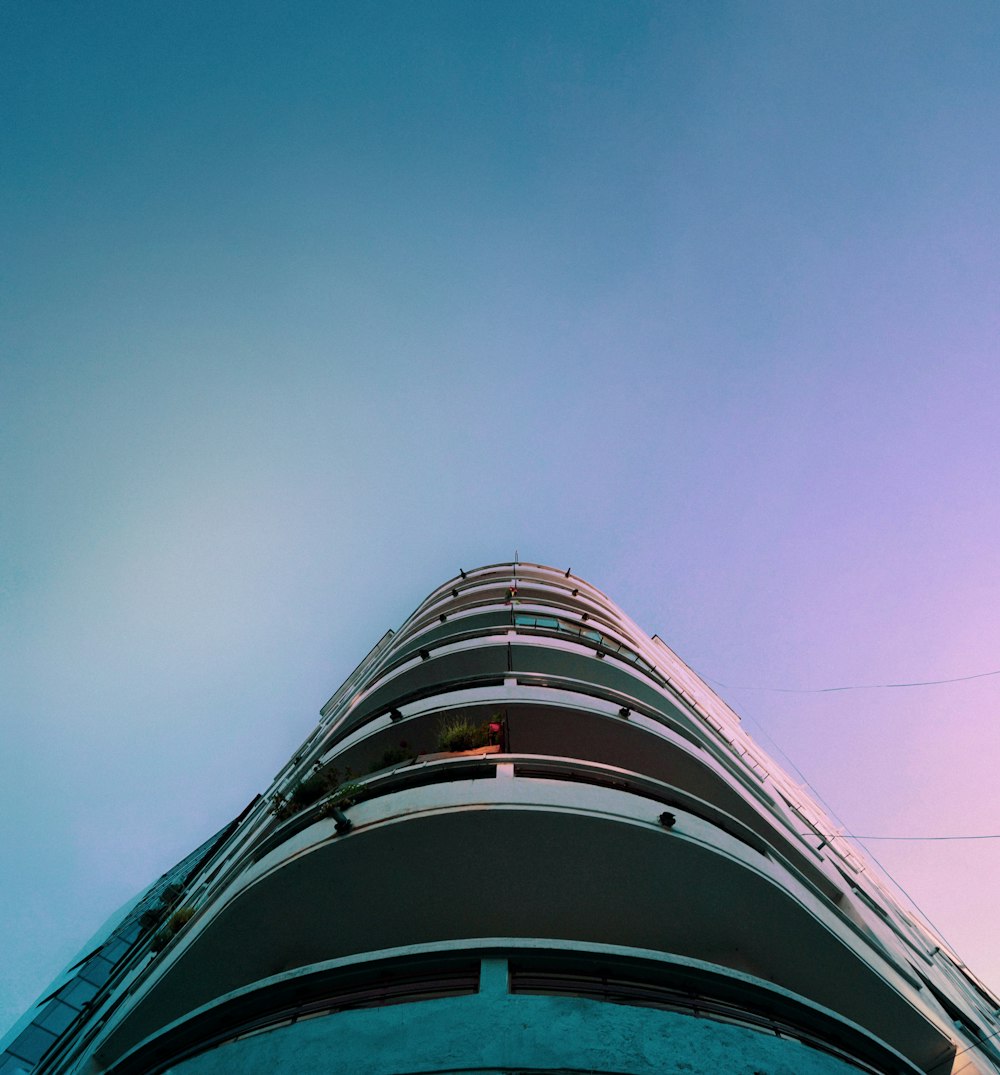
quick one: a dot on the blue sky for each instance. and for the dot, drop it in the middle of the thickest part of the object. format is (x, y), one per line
(304, 306)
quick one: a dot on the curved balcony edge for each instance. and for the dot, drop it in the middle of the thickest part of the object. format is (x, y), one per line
(516, 966)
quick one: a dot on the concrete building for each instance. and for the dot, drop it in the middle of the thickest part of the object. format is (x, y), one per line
(523, 837)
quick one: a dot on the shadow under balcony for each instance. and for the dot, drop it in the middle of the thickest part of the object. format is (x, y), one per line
(523, 857)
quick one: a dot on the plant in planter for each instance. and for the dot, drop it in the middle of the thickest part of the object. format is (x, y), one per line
(344, 796)
(154, 915)
(304, 793)
(393, 756)
(333, 807)
(180, 918)
(171, 894)
(313, 788)
(175, 923)
(320, 786)
(460, 733)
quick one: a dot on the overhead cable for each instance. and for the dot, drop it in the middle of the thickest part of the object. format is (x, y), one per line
(855, 686)
(977, 836)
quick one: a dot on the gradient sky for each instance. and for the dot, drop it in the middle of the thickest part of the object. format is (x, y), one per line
(304, 306)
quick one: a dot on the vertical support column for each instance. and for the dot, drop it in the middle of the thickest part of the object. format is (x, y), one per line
(493, 977)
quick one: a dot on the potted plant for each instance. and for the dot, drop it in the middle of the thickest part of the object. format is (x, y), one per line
(175, 923)
(459, 735)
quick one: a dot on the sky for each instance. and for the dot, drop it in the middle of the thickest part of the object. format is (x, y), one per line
(305, 306)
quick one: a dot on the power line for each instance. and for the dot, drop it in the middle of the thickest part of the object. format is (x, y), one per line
(979, 1039)
(850, 835)
(977, 836)
(856, 686)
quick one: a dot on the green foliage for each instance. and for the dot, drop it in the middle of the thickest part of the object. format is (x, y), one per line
(152, 916)
(171, 894)
(175, 923)
(347, 793)
(304, 793)
(319, 786)
(460, 733)
(310, 790)
(393, 756)
(180, 918)
(344, 796)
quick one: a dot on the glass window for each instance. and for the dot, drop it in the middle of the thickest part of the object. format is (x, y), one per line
(56, 1017)
(97, 971)
(31, 1043)
(10, 1065)
(77, 991)
(114, 950)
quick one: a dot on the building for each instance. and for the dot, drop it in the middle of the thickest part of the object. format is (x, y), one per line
(523, 837)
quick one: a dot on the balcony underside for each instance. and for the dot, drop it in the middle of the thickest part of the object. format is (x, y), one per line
(504, 1031)
(497, 858)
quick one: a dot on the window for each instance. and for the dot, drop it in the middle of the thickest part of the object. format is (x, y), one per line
(588, 634)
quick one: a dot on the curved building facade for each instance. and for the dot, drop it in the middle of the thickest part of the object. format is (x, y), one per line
(523, 837)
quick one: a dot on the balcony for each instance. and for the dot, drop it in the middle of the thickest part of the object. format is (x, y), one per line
(461, 849)
(687, 1013)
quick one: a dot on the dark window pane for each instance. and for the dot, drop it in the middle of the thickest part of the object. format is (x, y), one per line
(56, 1017)
(31, 1043)
(77, 991)
(97, 970)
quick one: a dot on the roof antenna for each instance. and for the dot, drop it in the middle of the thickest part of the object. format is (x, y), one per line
(515, 556)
